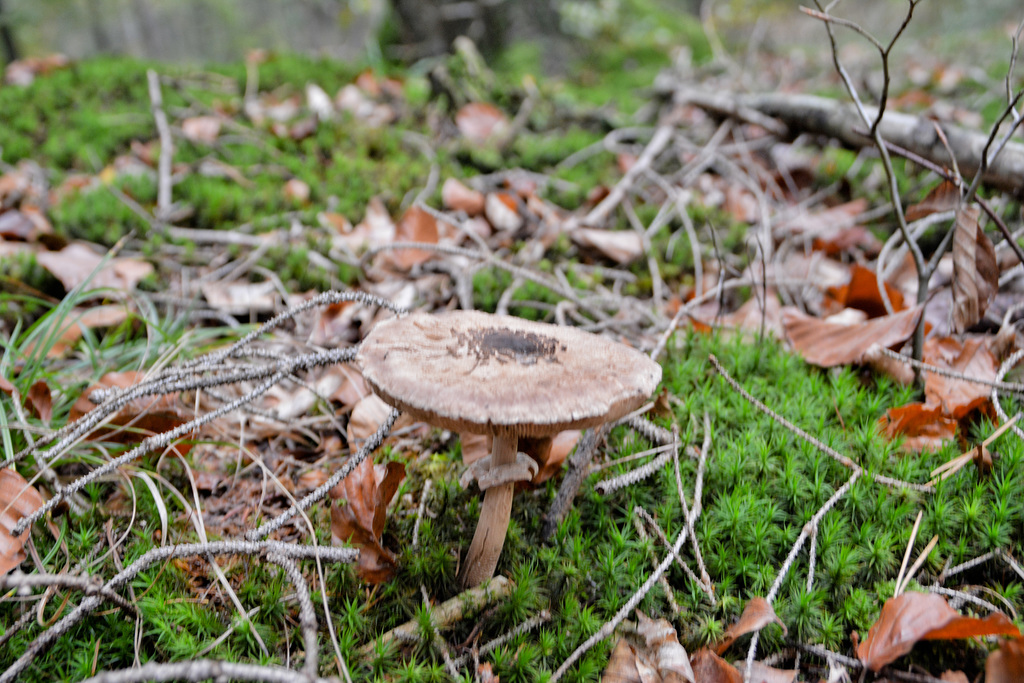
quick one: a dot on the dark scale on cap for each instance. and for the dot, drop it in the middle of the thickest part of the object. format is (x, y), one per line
(505, 345)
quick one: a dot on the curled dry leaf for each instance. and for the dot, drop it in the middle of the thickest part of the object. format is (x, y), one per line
(756, 615)
(479, 122)
(829, 344)
(146, 414)
(710, 668)
(76, 263)
(203, 129)
(663, 651)
(367, 416)
(17, 500)
(911, 617)
(943, 197)
(622, 666)
(457, 197)
(975, 270)
(862, 293)
(359, 520)
(502, 210)
(1006, 665)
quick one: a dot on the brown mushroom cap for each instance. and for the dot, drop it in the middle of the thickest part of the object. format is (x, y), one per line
(491, 374)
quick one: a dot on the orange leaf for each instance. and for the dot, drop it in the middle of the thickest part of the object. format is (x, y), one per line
(925, 427)
(911, 617)
(17, 500)
(862, 293)
(827, 344)
(415, 225)
(1006, 665)
(622, 665)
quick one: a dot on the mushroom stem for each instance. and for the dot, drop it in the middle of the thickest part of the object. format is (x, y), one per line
(484, 551)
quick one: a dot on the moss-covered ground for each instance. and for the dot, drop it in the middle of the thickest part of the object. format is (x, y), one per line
(761, 486)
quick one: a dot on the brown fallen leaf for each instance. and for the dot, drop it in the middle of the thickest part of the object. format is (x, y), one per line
(862, 293)
(502, 210)
(17, 500)
(415, 225)
(240, 297)
(77, 263)
(911, 617)
(923, 427)
(621, 246)
(297, 191)
(762, 673)
(825, 222)
(458, 197)
(359, 513)
(203, 129)
(829, 344)
(479, 122)
(756, 615)
(622, 665)
(943, 197)
(39, 401)
(1006, 665)
(146, 414)
(710, 668)
(971, 357)
(975, 270)
(663, 652)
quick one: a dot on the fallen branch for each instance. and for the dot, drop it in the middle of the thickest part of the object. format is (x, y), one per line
(812, 114)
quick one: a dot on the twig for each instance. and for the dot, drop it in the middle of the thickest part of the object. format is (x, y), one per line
(817, 443)
(163, 192)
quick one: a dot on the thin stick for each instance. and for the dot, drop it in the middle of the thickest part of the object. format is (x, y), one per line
(163, 192)
(906, 554)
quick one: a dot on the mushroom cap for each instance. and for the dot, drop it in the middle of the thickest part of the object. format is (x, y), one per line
(495, 374)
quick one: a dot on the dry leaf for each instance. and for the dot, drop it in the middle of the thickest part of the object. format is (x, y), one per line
(756, 615)
(376, 229)
(621, 246)
(972, 358)
(862, 293)
(297, 191)
(1006, 665)
(146, 414)
(17, 500)
(944, 197)
(911, 617)
(367, 417)
(240, 297)
(828, 344)
(823, 224)
(975, 271)
(479, 122)
(366, 492)
(710, 668)
(663, 650)
(924, 427)
(203, 129)
(39, 401)
(415, 225)
(75, 263)
(502, 210)
(762, 673)
(622, 665)
(457, 197)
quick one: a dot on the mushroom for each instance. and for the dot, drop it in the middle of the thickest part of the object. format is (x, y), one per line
(509, 378)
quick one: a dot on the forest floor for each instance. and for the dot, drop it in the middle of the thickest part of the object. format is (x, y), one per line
(199, 483)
